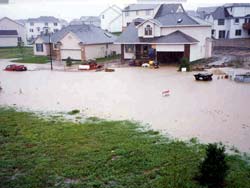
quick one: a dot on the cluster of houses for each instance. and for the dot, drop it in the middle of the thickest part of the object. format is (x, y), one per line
(167, 30)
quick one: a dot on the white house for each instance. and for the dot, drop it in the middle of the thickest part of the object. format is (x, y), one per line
(230, 21)
(111, 19)
(134, 11)
(16, 32)
(79, 42)
(38, 26)
(171, 35)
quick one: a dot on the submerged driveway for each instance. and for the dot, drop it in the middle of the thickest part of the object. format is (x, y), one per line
(212, 111)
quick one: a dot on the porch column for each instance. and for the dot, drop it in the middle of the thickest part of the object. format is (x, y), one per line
(83, 53)
(58, 52)
(187, 51)
(122, 52)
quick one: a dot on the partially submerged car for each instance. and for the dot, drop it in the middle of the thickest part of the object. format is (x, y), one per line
(243, 77)
(205, 76)
(14, 67)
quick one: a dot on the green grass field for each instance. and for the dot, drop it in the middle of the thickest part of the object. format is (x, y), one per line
(24, 56)
(37, 152)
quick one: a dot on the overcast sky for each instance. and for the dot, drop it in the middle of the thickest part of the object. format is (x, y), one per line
(70, 9)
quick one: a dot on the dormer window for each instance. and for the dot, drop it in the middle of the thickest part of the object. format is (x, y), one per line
(148, 30)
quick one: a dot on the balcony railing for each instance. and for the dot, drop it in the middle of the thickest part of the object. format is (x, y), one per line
(246, 26)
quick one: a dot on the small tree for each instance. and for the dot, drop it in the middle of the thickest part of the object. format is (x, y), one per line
(20, 45)
(184, 64)
(68, 62)
(213, 169)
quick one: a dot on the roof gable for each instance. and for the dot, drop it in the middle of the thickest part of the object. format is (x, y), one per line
(6, 18)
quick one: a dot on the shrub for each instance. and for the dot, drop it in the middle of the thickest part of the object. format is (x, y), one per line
(74, 112)
(68, 62)
(184, 64)
(213, 169)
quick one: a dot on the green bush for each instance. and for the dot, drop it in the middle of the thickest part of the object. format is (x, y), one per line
(68, 62)
(76, 111)
(184, 64)
(214, 168)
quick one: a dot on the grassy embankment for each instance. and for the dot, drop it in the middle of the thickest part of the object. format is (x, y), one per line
(24, 55)
(35, 152)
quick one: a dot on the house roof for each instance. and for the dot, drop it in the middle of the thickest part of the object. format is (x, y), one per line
(8, 32)
(174, 18)
(43, 19)
(134, 7)
(12, 21)
(220, 13)
(87, 34)
(90, 19)
(237, 5)
(130, 35)
(168, 9)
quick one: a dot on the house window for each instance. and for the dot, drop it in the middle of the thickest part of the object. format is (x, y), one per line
(213, 31)
(238, 32)
(221, 21)
(31, 23)
(148, 30)
(46, 24)
(129, 48)
(126, 13)
(102, 16)
(38, 29)
(39, 47)
(147, 12)
(31, 30)
(55, 24)
(137, 13)
(237, 20)
(222, 34)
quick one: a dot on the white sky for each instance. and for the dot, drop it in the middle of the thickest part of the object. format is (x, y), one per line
(70, 9)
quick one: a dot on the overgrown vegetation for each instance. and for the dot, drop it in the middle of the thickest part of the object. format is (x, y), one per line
(35, 152)
(184, 64)
(32, 59)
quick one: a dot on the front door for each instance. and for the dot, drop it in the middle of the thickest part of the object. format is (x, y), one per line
(138, 51)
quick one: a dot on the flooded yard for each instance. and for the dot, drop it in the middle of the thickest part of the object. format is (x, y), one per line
(211, 111)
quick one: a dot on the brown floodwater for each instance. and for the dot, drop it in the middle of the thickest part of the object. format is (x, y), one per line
(211, 111)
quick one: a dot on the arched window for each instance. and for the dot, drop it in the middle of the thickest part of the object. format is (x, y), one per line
(148, 30)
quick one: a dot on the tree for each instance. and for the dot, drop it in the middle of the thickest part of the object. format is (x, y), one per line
(68, 62)
(213, 169)
(20, 45)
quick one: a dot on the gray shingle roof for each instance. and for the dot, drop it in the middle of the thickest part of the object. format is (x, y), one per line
(8, 32)
(130, 35)
(172, 19)
(43, 19)
(221, 13)
(87, 34)
(237, 5)
(167, 9)
(134, 7)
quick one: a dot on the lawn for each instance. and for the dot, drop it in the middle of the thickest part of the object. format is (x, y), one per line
(38, 152)
(105, 59)
(24, 55)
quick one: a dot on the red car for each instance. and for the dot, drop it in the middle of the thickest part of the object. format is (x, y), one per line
(14, 67)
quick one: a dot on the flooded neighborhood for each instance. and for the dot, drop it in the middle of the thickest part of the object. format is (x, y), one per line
(139, 95)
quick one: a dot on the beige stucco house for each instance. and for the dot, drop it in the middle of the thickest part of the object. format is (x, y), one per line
(11, 32)
(79, 42)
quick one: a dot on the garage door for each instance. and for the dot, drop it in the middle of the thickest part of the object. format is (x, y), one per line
(169, 57)
(73, 54)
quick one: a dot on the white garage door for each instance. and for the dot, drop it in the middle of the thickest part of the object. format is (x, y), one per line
(73, 54)
(170, 48)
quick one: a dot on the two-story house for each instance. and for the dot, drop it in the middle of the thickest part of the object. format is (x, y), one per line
(111, 19)
(230, 21)
(38, 26)
(171, 34)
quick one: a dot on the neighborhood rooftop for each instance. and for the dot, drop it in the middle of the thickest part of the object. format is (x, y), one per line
(134, 7)
(43, 19)
(87, 34)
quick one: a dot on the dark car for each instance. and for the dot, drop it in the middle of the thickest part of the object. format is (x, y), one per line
(203, 76)
(15, 67)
